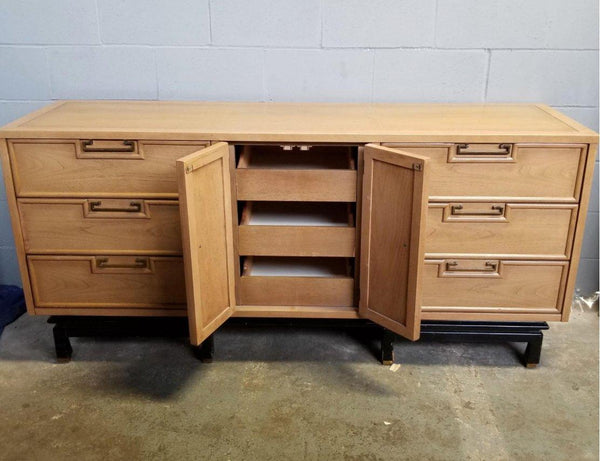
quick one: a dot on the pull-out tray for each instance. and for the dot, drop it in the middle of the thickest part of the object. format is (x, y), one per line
(297, 229)
(297, 282)
(278, 173)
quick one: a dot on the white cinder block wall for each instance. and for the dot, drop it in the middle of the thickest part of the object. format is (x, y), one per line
(309, 50)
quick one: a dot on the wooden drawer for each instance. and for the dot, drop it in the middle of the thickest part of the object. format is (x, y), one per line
(297, 229)
(289, 173)
(500, 229)
(463, 286)
(67, 168)
(296, 241)
(132, 226)
(107, 282)
(296, 282)
(549, 172)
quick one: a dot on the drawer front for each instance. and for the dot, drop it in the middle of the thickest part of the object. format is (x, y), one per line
(107, 282)
(519, 171)
(45, 168)
(469, 285)
(56, 226)
(296, 291)
(296, 241)
(501, 229)
(296, 185)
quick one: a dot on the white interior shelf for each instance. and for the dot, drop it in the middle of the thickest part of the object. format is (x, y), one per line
(297, 267)
(299, 214)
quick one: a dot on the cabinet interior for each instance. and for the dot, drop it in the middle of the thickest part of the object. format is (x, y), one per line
(286, 266)
(296, 157)
(289, 278)
(322, 214)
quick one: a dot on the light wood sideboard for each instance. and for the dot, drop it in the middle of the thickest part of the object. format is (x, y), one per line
(393, 212)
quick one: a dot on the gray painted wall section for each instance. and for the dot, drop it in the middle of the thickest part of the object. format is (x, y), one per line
(314, 50)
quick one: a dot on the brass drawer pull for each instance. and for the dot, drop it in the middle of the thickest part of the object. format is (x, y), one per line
(136, 207)
(503, 149)
(490, 266)
(88, 146)
(496, 210)
(140, 263)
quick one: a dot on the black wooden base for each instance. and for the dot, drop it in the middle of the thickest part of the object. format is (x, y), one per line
(66, 327)
(488, 332)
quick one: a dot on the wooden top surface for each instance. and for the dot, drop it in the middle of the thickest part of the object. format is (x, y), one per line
(316, 122)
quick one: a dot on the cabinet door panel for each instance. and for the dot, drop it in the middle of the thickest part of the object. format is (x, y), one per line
(393, 212)
(206, 222)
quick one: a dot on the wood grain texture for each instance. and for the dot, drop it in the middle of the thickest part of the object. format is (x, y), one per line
(488, 316)
(522, 287)
(550, 173)
(205, 196)
(586, 191)
(539, 231)
(296, 185)
(120, 312)
(16, 226)
(297, 241)
(297, 291)
(393, 212)
(234, 223)
(313, 312)
(77, 282)
(544, 175)
(55, 168)
(298, 122)
(66, 226)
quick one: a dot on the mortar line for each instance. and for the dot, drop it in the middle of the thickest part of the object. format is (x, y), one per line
(210, 34)
(98, 22)
(487, 75)
(290, 47)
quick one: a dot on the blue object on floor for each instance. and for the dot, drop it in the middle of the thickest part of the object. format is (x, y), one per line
(12, 304)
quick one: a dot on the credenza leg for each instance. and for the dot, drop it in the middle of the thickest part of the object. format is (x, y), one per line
(533, 351)
(387, 347)
(64, 351)
(205, 351)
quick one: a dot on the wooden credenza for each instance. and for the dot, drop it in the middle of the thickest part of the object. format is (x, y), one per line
(395, 213)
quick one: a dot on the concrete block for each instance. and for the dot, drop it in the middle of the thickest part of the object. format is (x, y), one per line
(379, 23)
(24, 73)
(552, 77)
(593, 206)
(210, 74)
(429, 76)
(44, 22)
(587, 116)
(6, 235)
(517, 24)
(102, 73)
(9, 267)
(176, 22)
(318, 75)
(285, 23)
(12, 110)
(589, 249)
(2, 187)
(587, 277)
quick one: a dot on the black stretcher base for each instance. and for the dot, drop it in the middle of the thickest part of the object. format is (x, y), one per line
(66, 327)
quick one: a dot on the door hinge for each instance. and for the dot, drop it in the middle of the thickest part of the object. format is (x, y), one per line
(417, 166)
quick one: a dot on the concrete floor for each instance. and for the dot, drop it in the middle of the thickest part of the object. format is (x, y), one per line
(297, 394)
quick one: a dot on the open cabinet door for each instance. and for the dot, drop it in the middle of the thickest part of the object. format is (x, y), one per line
(394, 202)
(206, 226)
